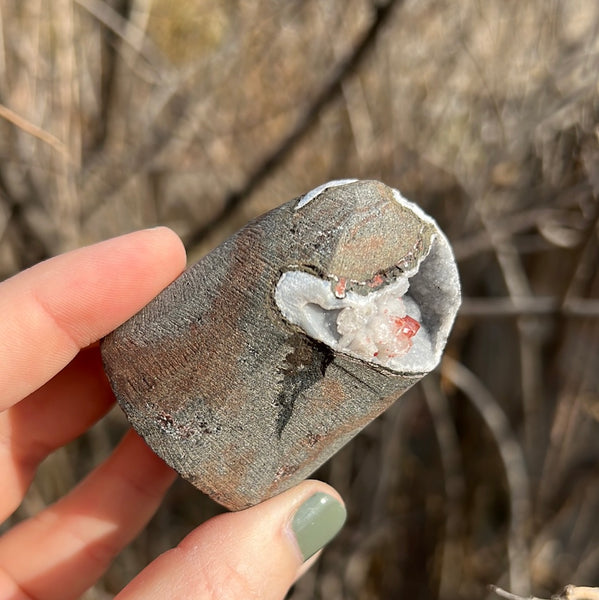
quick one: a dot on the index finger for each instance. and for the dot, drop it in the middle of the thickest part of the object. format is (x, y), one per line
(51, 311)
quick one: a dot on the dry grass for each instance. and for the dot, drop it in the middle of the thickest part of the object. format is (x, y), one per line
(120, 114)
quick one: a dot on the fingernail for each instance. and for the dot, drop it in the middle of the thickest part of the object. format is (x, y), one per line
(316, 522)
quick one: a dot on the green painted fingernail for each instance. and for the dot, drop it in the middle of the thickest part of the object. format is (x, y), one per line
(316, 522)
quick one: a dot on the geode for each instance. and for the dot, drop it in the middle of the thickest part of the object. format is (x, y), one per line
(263, 359)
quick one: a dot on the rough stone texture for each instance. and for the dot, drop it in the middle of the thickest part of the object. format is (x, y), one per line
(242, 403)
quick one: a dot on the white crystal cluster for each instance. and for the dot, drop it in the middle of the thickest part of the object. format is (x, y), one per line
(377, 329)
(381, 327)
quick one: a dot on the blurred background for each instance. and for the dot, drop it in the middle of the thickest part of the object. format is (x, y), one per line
(200, 115)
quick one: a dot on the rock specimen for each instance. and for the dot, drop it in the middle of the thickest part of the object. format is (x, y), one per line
(263, 359)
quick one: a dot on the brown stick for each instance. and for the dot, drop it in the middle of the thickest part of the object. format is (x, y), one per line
(329, 91)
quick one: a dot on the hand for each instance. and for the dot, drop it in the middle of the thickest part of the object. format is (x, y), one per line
(53, 389)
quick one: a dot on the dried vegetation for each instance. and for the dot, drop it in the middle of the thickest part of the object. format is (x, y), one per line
(121, 114)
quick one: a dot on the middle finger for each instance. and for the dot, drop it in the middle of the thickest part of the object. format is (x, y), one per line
(49, 418)
(62, 551)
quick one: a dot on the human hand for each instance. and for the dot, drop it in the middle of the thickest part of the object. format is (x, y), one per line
(53, 389)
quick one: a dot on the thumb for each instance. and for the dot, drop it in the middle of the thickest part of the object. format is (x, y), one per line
(256, 553)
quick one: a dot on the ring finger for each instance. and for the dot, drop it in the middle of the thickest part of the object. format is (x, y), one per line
(60, 552)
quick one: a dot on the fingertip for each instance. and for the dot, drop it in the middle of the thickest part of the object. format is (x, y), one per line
(72, 300)
(171, 240)
(157, 252)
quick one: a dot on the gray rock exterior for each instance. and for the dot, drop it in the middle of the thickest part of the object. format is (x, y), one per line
(241, 402)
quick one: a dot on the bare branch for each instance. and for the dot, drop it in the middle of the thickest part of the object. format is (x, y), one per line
(570, 592)
(328, 92)
(513, 462)
(454, 483)
(132, 35)
(505, 594)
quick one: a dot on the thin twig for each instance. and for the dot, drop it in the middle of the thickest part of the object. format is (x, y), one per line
(504, 227)
(2, 50)
(519, 288)
(586, 261)
(505, 594)
(570, 592)
(531, 306)
(31, 129)
(513, 462)
(328, 92)
(132, 35)
(453, 480)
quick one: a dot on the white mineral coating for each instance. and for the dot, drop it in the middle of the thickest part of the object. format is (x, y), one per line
(309, 196)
